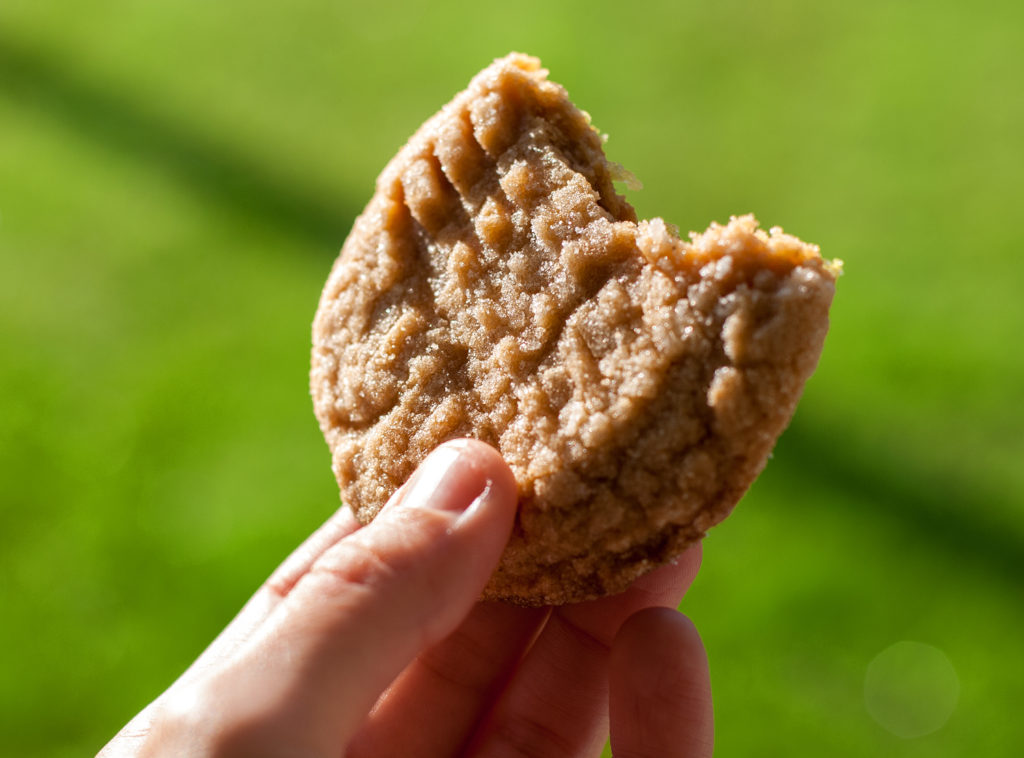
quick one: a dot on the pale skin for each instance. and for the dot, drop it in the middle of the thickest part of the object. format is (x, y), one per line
(370, 641)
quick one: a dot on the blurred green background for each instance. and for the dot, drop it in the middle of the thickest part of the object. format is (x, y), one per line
(177, 176)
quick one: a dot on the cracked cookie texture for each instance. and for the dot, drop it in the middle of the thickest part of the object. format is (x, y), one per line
(497, 287)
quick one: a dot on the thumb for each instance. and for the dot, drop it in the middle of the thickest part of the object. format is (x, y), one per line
(373, 601)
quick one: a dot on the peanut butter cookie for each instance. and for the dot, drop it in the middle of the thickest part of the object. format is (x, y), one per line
(497, 287)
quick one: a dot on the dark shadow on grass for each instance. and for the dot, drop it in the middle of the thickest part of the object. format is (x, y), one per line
(208, 166)
(935, 507)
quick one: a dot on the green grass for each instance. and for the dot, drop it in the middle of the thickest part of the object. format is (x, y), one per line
(176, 178)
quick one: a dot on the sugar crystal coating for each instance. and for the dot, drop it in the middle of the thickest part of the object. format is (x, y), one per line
(497, 287)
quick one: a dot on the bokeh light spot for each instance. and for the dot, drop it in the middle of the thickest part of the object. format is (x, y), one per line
(911, 689)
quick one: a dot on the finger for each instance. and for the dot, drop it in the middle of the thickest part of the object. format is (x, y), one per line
(369, 604)
(447, 689)
(259, 607)
(287, 575)
(660, 700)
(557, 704)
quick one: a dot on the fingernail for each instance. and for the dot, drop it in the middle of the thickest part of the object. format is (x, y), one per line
(445, 481)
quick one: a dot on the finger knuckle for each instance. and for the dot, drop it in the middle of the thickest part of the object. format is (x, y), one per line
(530, 737)
(355, 563)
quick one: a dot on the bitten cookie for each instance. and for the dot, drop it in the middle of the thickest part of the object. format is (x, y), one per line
(497, 287)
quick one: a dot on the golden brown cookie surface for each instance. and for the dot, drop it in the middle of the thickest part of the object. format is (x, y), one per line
(497, 287)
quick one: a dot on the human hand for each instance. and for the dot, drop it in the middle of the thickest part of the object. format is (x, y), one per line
(370, 642)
